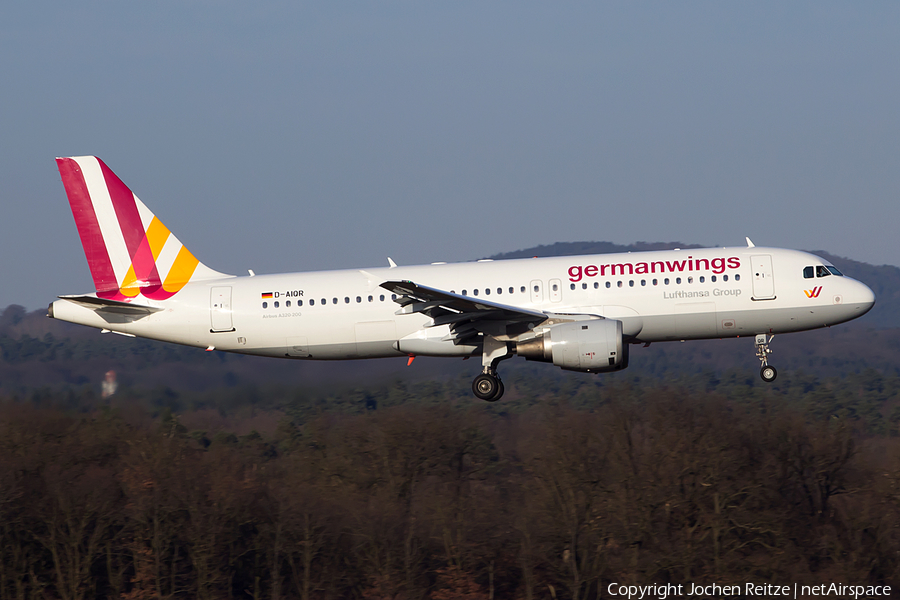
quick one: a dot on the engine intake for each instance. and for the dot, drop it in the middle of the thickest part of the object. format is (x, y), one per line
(593, 346)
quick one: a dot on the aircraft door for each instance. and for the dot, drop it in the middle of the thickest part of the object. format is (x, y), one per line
(763, 277)
(537, 292)
(220, 309)
(555, 290)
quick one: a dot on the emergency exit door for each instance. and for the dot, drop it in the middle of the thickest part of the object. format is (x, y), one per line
(555, 290)
(537, 292)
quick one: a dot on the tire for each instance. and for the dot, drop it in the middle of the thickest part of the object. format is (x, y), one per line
(500, 390)
(768, 373)
(487, 387)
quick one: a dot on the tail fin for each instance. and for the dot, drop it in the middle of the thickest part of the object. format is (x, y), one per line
(128, 249)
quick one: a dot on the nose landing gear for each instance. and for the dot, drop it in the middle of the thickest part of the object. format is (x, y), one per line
(766, 372)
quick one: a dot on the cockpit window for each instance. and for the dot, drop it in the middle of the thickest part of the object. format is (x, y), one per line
(808, 272)
(822, 271)
(834, 271)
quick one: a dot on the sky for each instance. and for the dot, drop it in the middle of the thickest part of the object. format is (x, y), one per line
(290, 136)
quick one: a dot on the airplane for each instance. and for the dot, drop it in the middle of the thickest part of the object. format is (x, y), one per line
(581, 313)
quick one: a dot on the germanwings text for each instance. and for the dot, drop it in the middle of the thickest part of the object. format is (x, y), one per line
(691, 264)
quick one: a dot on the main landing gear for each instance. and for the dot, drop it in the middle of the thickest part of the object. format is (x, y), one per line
(488, 386)
(766, 371)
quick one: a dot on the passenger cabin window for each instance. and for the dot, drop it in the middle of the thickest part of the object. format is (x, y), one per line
(265, 305)
(808, 272)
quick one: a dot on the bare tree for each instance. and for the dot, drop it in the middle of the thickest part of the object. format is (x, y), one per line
(570, 469)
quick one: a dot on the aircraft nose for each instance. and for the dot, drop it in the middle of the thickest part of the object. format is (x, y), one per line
(863, 298)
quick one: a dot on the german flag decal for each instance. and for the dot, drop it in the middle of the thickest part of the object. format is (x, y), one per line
(266, 295)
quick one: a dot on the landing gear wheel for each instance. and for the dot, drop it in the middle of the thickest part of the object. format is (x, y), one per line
(487, 387)
(767, 372)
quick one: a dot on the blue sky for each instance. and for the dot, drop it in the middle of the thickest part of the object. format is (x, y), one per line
(286, 136)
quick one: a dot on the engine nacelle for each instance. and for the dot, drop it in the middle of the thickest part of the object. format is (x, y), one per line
(592, 346)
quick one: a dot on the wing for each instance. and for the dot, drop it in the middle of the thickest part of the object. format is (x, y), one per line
(467, 317)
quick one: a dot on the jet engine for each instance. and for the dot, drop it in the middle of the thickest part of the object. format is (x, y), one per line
(592, 346)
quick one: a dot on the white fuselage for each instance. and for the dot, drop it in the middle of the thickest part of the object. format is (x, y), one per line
(658, 296)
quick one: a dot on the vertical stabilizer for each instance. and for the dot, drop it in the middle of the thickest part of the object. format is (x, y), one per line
(128, 249)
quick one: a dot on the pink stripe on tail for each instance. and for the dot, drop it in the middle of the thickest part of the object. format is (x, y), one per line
(88, 228)
(145, 272)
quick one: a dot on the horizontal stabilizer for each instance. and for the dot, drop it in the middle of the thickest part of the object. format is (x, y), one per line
(117, 307)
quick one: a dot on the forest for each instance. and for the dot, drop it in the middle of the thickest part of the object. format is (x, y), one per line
(415, 491)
